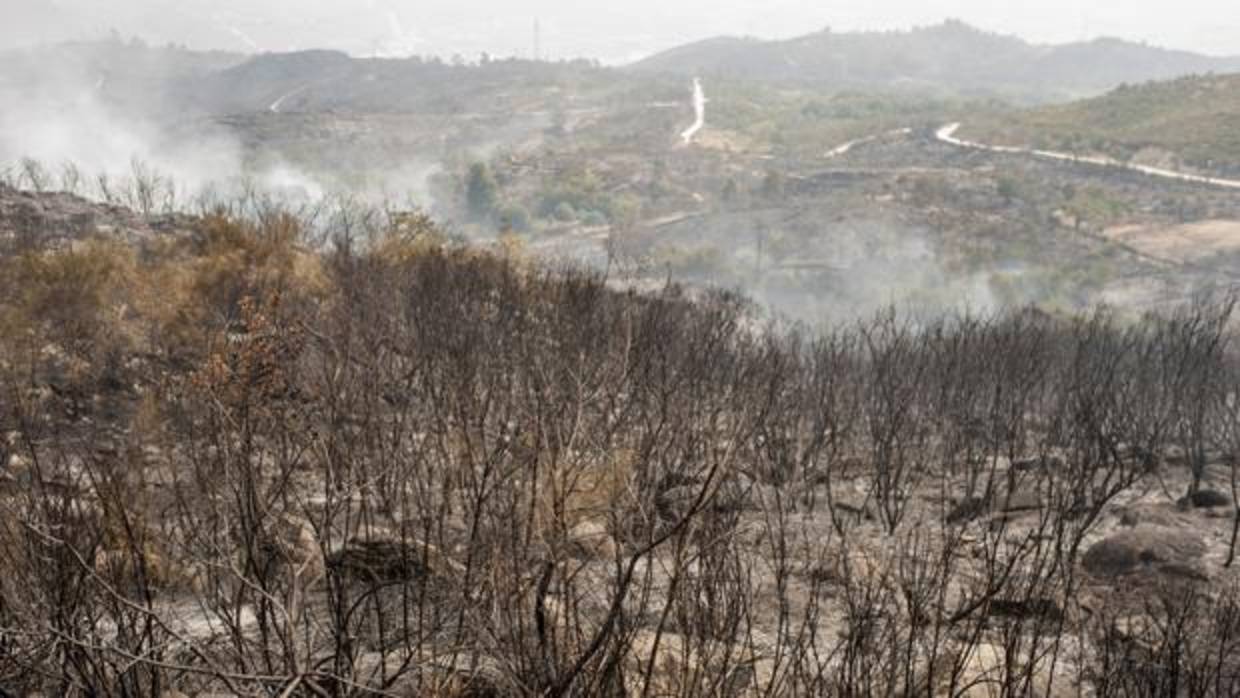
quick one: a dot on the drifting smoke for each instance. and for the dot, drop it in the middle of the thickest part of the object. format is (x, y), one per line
(699, 110)
(65, 118)
(60, 115)
(71, 121)
(108, 150)
(906, 274)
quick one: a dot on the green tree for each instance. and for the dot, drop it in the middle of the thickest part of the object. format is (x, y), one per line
(565, 212)
(773, 187)
(625, 212)
(481, 190)
(1008, 189)
(731, 191)
(513, 217)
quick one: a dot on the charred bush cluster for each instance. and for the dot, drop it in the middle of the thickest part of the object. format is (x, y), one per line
(236, 465)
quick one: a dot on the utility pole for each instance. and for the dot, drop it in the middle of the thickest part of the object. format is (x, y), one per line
(537, 40)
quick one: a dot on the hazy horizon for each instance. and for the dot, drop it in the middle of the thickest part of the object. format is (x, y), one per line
(570, 30)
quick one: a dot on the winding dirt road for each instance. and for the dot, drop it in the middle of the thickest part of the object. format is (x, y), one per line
(699, 111)
(844, 148)
(275, 106)
(947, 134)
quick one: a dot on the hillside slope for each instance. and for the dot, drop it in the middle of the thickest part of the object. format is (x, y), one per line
(230, 454)
(951, 56)
(1191, 123)
(310, 81)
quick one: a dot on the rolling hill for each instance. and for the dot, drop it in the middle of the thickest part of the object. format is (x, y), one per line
(1191, 123)
(952, 56)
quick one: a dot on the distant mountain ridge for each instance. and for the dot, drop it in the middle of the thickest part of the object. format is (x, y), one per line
(951, 56)
(170, 81)
(323, 80)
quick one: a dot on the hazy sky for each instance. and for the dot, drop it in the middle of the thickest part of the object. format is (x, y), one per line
(614, 31)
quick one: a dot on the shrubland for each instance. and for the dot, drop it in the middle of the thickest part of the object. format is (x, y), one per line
(1183, 123)
(240, 460)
